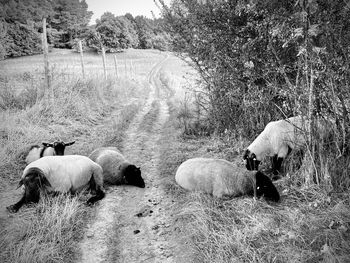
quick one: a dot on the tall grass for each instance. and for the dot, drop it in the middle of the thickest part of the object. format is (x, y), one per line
(45, 233)
(308, 227)
(93, 112)
(310, 224)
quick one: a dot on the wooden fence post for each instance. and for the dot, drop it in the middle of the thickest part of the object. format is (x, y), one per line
(126, 70)
(116, 65)
(48, 83)
(131, 69)
(81, 58)
(104, 62)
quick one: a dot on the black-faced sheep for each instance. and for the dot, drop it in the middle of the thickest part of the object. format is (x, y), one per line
(64, 174)
(276, 140)
(116, 169)
(47, 149)
(224, 179)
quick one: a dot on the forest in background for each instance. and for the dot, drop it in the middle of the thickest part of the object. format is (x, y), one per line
(67, 22)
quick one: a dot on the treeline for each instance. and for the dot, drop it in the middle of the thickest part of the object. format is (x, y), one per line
(120, 32)
(266, 60)
(67, 21)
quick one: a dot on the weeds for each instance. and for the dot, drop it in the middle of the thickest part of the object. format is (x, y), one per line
(308, 225)
(45, 233)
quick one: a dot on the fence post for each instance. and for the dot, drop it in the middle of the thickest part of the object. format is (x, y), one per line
(104, 62)
(126, 70)
(131, 69)
(46, 64)
(116, 65)
(81, 58)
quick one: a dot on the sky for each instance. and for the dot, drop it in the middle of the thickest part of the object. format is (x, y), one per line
(121, 7)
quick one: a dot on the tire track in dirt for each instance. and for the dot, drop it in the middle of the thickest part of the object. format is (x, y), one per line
(131, 223)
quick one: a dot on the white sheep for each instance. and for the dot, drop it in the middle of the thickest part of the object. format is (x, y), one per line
(224, 179)
(64, 174)
(116, 169)
(277, 140)
(47, 149)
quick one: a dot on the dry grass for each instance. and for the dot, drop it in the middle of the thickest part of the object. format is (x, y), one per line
(47, 232)
(308, 225)
(94, 112)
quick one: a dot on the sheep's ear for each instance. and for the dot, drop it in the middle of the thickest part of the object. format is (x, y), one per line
(20, 184)
(245, 155)
(44, 181)
(46, 144)
(69, 143)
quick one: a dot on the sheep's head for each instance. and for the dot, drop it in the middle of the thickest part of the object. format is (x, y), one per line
(252, 163)
(132, 176)
(32, 182)
(59, 146)
(265, 187)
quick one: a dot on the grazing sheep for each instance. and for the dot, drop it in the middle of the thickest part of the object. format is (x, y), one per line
(224, 179)
(116, 169)
(47, 149)
(64, 174)
(276, 140)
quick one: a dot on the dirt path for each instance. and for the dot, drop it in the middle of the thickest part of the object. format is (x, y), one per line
(132, 223)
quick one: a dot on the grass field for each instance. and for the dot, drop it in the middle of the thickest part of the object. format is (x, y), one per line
(308, 225)
(82, 112)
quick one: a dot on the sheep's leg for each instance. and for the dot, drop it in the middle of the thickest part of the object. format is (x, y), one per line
(15, 207)
(274, 163)
(99, 195)
(282, 153)
(30, 196)
(96, 190)
(277, 166)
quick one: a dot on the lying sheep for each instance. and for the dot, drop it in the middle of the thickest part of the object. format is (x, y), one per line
(276, 140)
(224, 179)
(116, 169)
(47, 149)
(64, 174)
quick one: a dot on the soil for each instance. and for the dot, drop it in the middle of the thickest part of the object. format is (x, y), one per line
(134, 224)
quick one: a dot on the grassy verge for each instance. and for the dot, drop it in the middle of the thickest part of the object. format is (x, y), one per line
(94, 113)
(50, 231)
(308, 225)
(47, 233)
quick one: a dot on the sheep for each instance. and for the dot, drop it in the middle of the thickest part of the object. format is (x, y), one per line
(224, 179)
(47, 149)
(60, 174)
(116, 169)
(277, 140)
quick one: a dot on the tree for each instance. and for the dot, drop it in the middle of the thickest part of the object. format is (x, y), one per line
(71, 18)
(266, 60)
(116, 32)
(66, 20)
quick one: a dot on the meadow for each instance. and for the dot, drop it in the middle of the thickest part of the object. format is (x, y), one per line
(81, 111)
(310, 224)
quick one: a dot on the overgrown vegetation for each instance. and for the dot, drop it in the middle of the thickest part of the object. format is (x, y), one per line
(261, 61)
(258, 63)
(308, 225)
